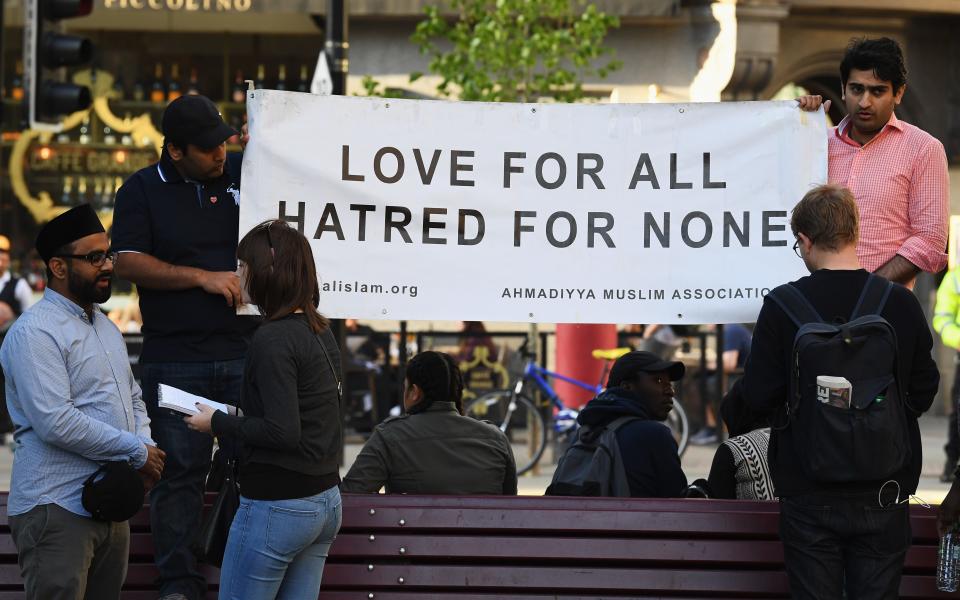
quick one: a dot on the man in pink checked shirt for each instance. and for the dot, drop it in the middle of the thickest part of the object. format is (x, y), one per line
(896, 171)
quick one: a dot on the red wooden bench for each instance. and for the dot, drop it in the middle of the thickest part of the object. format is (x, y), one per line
(141, 573)
(473, 548)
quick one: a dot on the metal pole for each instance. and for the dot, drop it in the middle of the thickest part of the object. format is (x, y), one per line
(336, 51)
(402, 358)
(3, 77)
(721, 382)
(337, 44)
(3, 52)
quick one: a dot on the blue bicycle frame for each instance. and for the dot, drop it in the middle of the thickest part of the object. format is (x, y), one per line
(535, 372)
(563, 419)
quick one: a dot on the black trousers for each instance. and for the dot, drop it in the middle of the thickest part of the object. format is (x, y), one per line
(952, 449)
(835, 544)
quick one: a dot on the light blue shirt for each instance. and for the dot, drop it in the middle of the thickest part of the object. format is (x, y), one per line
(73, 401)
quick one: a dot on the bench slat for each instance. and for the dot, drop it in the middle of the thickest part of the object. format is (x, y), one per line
(510, 578)
(517, 581)
(553, 522)
(537, 550)
(479, 548)
(125, 595)
(139, 576)
(920, 586)
(392, 595)
(559, 502)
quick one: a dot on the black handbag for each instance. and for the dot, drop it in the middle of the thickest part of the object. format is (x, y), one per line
(211, 540)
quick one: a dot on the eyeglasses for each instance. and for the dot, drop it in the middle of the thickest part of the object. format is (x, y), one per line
(796, 248)
(95, 258)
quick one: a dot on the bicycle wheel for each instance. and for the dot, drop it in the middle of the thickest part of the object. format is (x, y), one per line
(518, 418)
(677, 422)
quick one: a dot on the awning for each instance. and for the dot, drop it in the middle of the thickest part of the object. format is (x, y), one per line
(281, 16)
(384, 8)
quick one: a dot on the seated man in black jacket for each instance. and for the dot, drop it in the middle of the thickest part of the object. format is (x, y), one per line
(641, 385)
(840, 538)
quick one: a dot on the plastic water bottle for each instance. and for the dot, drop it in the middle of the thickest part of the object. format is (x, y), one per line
(948, 562)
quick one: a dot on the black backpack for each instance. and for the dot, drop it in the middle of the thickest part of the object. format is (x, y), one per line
(591, 465)
(868, 441)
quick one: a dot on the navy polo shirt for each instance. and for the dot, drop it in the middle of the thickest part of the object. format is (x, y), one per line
(184, 223)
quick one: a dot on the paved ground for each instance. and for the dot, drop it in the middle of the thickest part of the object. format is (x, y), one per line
(696, 463)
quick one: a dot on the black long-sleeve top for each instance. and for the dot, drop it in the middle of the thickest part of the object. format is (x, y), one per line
(290, 431)
(766, 380)
(722, 479)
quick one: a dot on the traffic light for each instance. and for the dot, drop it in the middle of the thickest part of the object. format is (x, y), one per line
(47, 52)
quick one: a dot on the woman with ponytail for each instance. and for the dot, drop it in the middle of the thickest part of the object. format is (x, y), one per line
(433, 448)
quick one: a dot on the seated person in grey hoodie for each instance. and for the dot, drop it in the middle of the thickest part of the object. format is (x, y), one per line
(641, 385)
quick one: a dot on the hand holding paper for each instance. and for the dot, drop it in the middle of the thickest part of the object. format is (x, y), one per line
(202, 421)
(185, 402)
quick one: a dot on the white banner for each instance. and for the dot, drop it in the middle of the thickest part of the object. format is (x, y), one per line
(588, 213)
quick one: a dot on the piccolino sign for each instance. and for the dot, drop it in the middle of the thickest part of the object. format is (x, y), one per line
(213, 6)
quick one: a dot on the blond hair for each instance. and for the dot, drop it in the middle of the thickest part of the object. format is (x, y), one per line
(827, 215)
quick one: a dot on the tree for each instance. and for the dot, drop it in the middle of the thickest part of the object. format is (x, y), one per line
(515, 50)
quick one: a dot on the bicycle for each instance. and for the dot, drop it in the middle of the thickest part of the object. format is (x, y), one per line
(523, 421)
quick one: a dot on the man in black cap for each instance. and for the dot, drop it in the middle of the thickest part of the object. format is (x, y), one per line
(641, 385)
(175, 227)
(75, 406)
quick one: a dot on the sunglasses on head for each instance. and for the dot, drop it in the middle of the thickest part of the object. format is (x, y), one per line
(273, 253)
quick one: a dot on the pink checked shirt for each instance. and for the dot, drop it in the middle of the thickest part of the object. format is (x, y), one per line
(900, 181)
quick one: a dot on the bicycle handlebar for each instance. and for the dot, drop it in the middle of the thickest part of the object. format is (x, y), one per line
(524, 352)
(605, 354)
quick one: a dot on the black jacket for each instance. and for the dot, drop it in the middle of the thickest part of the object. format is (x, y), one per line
(290, 431)
(766, 379)
(647, 447)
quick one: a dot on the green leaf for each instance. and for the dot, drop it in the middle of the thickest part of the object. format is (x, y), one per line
(514, 50)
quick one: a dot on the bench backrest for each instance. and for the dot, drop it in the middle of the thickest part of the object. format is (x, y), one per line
(406, 547)
(531, 547)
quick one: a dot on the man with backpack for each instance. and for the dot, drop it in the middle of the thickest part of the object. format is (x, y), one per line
(623, 448)
(841, 362)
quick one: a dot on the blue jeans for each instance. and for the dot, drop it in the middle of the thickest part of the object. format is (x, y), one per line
(176, 502)
(277, 548)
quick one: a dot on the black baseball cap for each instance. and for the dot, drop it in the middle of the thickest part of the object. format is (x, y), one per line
(114, 492)
(631, 363)
(195, 119)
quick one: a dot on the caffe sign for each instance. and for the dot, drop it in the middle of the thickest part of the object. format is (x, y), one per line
(211, 6)
(69, 159)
